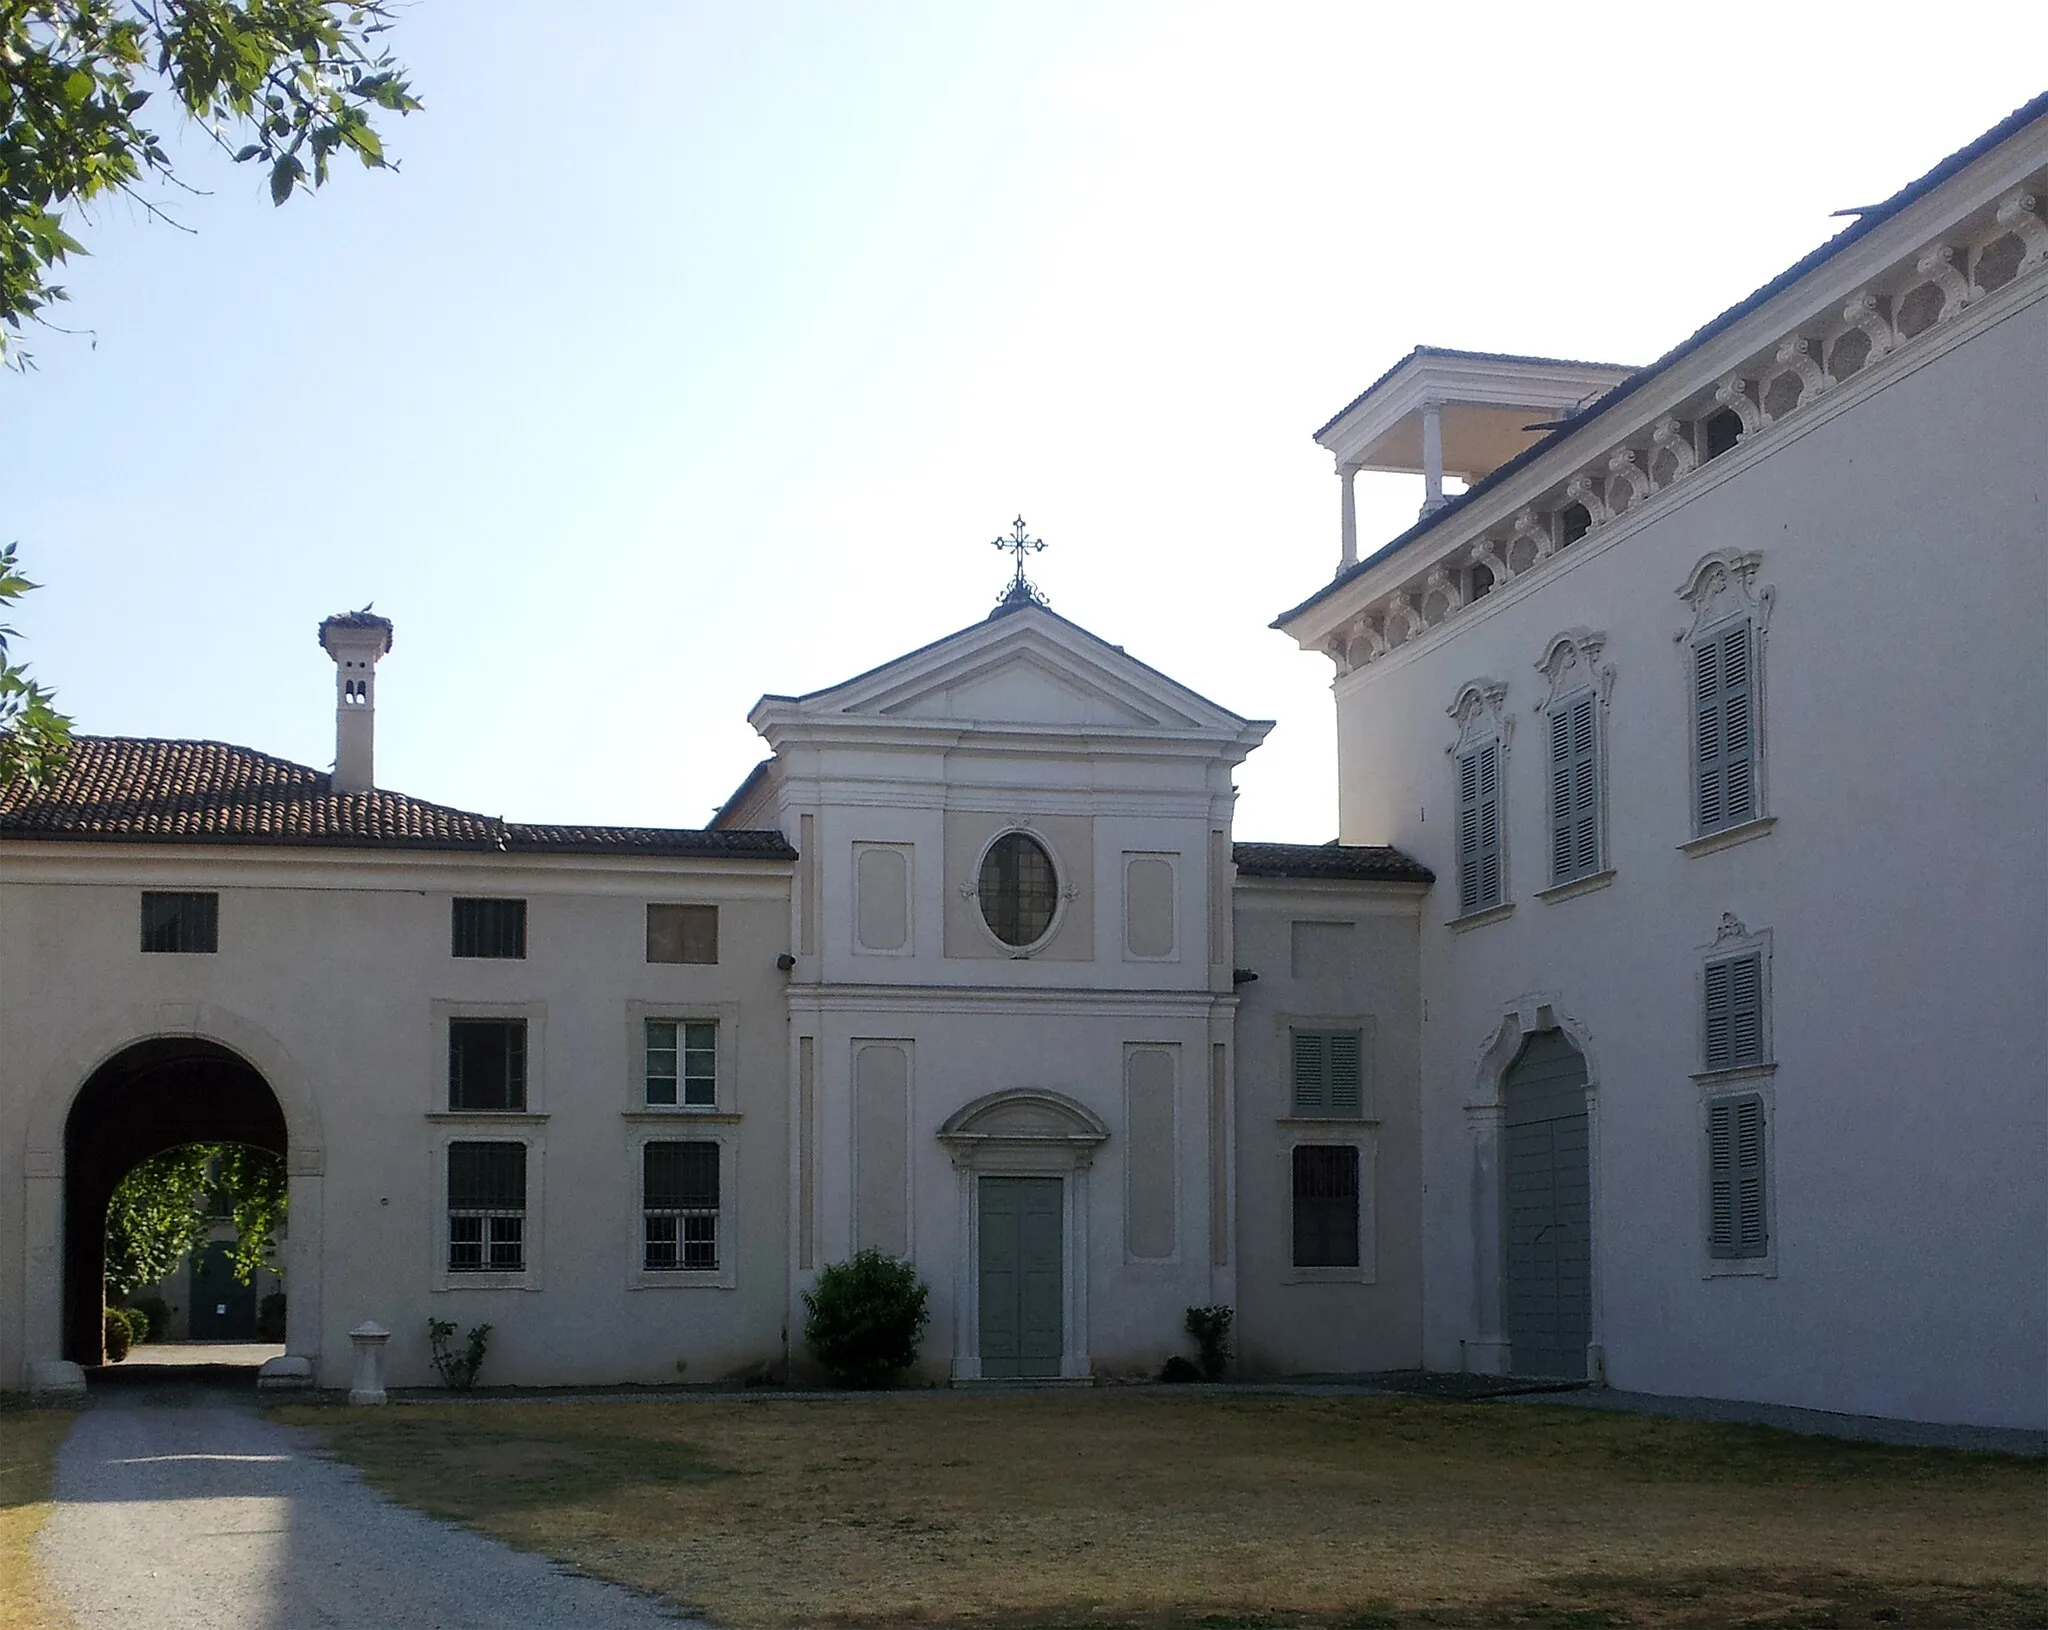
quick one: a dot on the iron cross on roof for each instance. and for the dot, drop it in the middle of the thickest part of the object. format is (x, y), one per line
(1019, 543)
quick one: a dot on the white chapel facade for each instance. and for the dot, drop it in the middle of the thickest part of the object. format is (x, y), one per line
(1664, 1016)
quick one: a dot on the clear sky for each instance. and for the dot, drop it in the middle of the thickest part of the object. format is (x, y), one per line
(698, 349)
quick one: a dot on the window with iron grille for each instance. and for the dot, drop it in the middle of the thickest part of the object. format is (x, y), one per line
(679, 1206)
(1737, 1227)
(1724, 768)
(180, 922)
(1329, 1072)
(1479, 850)
(1326, 1205)
(487, 1065)
(682, 933)
(1575, 836)
(486, 1208)
(682, 1063)
(489, 928)
(1733, 1032)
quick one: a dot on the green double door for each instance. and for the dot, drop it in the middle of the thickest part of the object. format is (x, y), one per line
(1021, 1297)
(223, 1308)
(1549, 1213)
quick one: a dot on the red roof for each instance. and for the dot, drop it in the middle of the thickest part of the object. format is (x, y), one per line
(122, 789)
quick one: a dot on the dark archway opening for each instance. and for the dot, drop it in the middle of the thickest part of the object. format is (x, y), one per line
(154, 1096)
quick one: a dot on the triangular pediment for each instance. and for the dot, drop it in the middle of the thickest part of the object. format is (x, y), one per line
(1021, 688)
(1029, 669)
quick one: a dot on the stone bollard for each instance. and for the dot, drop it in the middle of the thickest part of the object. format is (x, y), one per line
(369, 1337)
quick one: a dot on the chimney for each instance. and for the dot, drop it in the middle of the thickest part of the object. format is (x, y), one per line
(355, 639)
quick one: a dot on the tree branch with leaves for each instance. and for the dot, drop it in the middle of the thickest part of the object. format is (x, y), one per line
(34, 736)
(284, 84)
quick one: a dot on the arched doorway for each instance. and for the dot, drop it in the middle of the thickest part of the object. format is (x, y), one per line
(150, 1097)
(1546, 1209)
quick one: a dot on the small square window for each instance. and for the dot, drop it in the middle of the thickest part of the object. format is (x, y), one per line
(487, 1065)
(679, 1204)
(180, 922)
(682, 933)
(682, 1063)
(1326, 1205)
(489, 928)
(486, 1208)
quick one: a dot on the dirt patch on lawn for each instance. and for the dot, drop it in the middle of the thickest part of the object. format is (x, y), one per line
(1146, 1508)
(29, 1441)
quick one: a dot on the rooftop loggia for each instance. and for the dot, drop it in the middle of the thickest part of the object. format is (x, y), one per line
(1462, 414)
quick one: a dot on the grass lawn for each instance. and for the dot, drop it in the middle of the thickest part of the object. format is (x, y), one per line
(1162, 1509)
(28, 1463)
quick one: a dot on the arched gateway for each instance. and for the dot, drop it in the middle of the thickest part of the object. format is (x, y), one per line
(152, 1096)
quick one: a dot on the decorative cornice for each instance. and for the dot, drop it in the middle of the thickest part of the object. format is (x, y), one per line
(1885, 321)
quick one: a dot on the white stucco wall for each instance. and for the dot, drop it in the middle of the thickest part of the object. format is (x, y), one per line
(334, 978)
(1329, 1321)
(1903, 887)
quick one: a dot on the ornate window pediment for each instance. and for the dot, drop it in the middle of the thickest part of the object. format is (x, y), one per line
(1724, 585)
(1571, 662)
(1480, 712)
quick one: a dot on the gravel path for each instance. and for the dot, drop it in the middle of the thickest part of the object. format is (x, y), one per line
(188, 1511)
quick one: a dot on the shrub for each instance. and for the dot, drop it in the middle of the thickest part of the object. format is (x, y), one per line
(1210, 1326)
(866, 1318)
(117, 1335)
(458, 1371)
(137, 1322)
(156, 1310)
(1180, 1369)
(270, 1317)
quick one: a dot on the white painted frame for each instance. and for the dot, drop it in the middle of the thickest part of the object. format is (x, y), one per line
(1486, 1349)
(658, 1128)
(490, 1129)
(983, 1145)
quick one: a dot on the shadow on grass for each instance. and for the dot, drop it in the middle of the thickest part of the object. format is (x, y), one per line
(1706, 1600)
(488, 1469)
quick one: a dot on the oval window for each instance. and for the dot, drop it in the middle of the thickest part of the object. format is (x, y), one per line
(1018, 891)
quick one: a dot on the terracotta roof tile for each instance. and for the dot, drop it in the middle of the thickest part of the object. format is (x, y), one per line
(1351, 862)
(119, 789)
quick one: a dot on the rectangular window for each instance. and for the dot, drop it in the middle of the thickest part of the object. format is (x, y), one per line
(1724, 730)
(1479, 877)
(1737, 1227)
(682, 933)
(489, 928)
(1328, 1072)
(1574, 789)
(679, 1202)
(487, 1064)
(486, 1208)
(1734, 1028)
(1326, 1206)
(682, 1063)
(180, 922)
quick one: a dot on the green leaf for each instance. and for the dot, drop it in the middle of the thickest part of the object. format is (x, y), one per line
(285, 174)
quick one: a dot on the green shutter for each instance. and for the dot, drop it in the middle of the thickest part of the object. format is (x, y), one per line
(1308, 1072)
(1724, 730)
(1574, 791)
(1479, 861)
(1468, 833)
(1561, 845)
(1737, 1227)
(1346, 1075)
(1735, 1013)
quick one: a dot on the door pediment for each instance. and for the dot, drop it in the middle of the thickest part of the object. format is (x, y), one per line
(1025, 1127)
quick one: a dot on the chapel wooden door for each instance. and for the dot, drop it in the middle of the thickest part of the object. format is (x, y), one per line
(1020, 1280)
